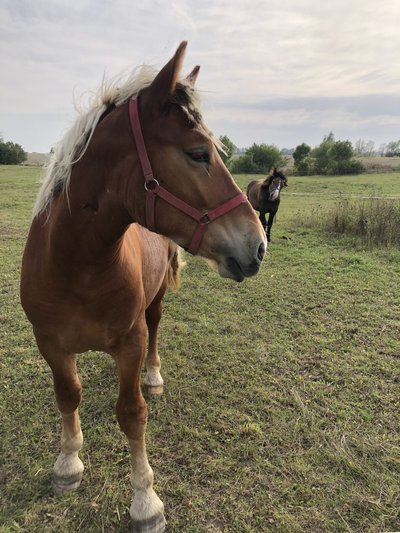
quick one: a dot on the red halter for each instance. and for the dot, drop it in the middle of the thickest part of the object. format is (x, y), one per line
(154, 189)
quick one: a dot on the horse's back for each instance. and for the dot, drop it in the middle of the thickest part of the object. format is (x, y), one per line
(253, 190)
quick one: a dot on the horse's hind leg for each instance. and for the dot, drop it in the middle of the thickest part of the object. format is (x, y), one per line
(68, 469)
(153, 379)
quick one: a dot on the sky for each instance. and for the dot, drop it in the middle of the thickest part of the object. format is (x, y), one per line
(278, 72)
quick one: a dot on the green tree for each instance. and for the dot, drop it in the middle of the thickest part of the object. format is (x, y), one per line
(229, 149)
(265, 157)
(329, 157)
(301, 151)
(243, 164)
(258, 159)
(335, 157)
(302, 161)
(305, 167)
(11, 153)
(321, 155)
(393, 149)
(330, 137)
(342, 150)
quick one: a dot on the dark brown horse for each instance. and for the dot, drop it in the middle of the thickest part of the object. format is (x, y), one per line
(264, 196)
(93, 277)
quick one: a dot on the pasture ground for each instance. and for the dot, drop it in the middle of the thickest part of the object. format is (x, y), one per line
(281, 407)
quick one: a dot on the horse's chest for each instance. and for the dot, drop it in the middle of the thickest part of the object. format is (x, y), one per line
(89, 333)
(90, 313)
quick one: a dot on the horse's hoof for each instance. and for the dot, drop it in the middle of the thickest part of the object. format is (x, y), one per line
(156, 524)
(155, 389)
(63, 484)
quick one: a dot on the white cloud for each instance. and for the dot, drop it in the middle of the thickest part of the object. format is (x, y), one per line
(249, 53)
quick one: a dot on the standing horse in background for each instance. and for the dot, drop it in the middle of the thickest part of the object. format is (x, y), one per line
(93, 276)
(264, 196)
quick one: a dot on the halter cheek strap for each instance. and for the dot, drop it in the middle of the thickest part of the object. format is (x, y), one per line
(154, 190)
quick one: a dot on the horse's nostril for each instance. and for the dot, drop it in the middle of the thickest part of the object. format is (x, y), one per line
(261, 251)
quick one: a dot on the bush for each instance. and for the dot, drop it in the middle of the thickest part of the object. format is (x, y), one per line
(374, 221)
(354, 166)
(330, 157)
(304, 166)
(243, 164)
(258, 159)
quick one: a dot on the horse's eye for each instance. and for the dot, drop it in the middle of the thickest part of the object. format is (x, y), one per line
(199, 156)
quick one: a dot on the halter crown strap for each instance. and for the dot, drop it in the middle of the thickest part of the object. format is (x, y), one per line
(154, 189)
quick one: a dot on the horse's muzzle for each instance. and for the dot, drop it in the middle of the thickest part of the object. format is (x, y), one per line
(238, 268)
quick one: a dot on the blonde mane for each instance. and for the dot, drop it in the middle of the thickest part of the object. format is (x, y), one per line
(73, 145)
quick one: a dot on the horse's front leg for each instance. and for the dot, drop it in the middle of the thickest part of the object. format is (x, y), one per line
(68, 469)
(153, 379)
(146, 509)
(269, 225)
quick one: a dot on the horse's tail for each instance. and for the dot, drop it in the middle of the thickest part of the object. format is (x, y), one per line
(175, 265)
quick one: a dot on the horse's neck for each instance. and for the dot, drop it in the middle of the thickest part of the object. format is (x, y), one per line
(74, 239)
(87, 221)
(106, 183)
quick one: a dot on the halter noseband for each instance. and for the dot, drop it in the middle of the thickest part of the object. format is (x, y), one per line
(154, 189)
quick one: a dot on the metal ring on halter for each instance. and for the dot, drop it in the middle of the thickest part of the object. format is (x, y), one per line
(151, 185)
(204, 219)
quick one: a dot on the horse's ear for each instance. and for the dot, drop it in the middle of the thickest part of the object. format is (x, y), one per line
(192, 77)
(163, 85)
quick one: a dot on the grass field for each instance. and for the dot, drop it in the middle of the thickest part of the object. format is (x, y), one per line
(281, 407)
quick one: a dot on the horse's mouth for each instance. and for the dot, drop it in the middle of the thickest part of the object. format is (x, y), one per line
(230, 268)
(235, 269)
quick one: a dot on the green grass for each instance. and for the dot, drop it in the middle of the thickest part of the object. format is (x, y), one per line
(281, 407)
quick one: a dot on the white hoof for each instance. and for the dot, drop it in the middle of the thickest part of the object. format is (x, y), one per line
(156, 390)
(156, 524)
(153, 381)
(67, 472)
(64, 484)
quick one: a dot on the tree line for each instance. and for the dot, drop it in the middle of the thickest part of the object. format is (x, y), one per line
(367, 149)
(11, 153)
(329, 157)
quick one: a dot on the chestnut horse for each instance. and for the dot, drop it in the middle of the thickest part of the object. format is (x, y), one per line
(93, 276)
(264, 196)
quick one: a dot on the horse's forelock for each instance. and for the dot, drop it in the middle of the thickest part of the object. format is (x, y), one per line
(188, 99)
